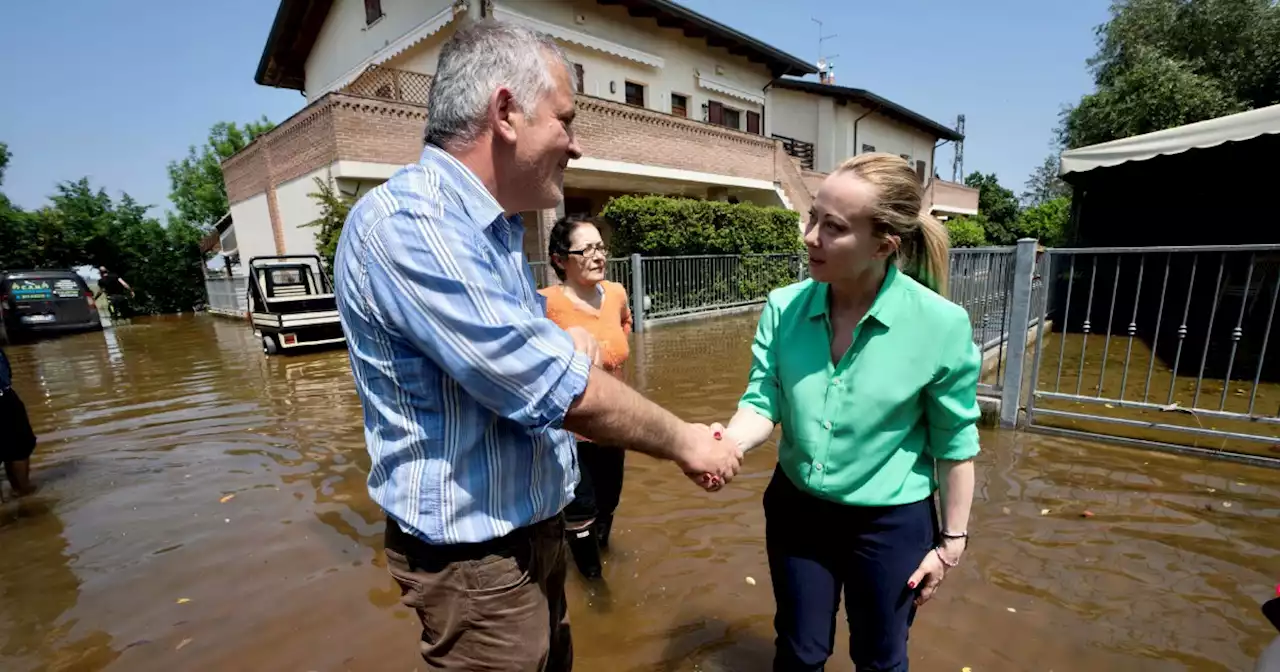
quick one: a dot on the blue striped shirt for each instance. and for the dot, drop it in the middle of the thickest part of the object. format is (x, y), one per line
(463, 379)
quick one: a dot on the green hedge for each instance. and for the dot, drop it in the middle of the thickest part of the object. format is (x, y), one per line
(663, 226)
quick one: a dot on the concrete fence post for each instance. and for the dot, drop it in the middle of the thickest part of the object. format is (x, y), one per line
(637, 293)
(1019, 323)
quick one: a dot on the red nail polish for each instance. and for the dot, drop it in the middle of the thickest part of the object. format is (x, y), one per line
(911, 585)
(717, 436)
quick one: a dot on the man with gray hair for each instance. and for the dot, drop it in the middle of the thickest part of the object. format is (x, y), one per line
(469, 392)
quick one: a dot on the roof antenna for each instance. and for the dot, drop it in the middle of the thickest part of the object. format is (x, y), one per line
(825, 67)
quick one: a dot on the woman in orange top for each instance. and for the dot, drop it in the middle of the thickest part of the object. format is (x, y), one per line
(585, 299)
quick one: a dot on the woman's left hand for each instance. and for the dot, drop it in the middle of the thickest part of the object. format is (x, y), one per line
(929, 575)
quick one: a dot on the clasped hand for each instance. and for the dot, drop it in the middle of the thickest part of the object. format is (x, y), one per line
(709, 458)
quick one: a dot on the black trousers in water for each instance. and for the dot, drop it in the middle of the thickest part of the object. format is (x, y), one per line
(817, 549)
(600, 485)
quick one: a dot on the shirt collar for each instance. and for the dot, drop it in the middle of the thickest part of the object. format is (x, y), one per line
(882, 310)
(480, 205)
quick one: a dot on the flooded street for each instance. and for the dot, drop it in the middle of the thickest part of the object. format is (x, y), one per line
(204, 508)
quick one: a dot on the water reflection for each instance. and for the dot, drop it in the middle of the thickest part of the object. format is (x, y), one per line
(205, 508)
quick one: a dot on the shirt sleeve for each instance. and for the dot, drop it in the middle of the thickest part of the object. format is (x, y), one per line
(763, 393)
(951, 397)
(431, 282)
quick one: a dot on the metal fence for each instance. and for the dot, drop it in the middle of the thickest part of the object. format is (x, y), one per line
(227, 295)
(1161, 345)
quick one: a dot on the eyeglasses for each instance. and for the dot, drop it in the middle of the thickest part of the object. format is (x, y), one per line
(591, 249)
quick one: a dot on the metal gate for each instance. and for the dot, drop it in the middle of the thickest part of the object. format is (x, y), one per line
(1161, 345)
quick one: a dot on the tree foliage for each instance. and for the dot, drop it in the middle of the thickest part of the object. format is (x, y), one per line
(196, 186)
(997, 205)
(967, 231)
(334, 207)
(83, 226)
(1165, 63)
(1046, 222)
(1044, 185)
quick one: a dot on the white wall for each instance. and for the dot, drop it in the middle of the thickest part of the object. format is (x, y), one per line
(296, 209)
(345, 41)
(889, 135)
(818, 119)
(794, 114)
(252, 223)
(682, 58)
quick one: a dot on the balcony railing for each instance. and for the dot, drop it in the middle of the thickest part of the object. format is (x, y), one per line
(391, 84)
(798, 148)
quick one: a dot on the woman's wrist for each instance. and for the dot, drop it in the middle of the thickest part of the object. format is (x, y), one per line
(952, 549)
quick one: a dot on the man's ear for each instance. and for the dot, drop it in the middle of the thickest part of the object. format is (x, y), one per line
(502, 109)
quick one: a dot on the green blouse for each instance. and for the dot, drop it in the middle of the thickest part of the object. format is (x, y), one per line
(866, 431)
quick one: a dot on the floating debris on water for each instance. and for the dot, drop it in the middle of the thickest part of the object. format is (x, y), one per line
(226, 499)
(183, 600)
(182, 644)
(1012, 610)
(751, 581)
(1044, 512)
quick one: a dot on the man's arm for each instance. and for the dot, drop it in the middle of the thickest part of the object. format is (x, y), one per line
(613, 414)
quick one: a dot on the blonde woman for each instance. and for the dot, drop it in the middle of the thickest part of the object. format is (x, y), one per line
(872, 375)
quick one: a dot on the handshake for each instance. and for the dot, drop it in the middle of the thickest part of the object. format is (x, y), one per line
(709, 456)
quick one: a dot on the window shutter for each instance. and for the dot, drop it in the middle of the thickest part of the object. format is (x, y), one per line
(920, 171)
(753, 122)
(372, 11)
(577, 70)
(715, 113)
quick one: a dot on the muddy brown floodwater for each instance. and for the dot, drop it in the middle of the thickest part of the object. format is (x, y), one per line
(204, 508)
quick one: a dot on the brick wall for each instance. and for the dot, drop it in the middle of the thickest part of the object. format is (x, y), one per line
(344, 126)
(377, 130)
(618, 132)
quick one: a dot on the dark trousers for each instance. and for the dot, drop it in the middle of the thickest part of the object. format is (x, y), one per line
(600, 485)
(817, 549)
(497, 605)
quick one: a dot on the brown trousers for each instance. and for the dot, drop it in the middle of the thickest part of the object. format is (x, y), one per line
(494, 606)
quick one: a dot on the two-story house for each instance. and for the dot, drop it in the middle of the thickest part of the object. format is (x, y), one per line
(670, 102)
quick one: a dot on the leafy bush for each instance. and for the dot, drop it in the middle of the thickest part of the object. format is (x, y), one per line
(334, 207)
(1046, 222)
(662, 226)
(967, 231)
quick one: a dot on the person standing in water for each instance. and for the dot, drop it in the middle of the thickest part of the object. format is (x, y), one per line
(17, 440)
(872, 374)
(585, 299)
(114, 287)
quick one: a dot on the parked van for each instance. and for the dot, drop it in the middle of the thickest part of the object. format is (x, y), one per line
(36, 303)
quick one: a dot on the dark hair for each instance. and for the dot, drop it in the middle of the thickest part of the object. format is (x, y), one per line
(558, 241)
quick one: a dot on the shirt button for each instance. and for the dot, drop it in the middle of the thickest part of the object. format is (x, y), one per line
(817, 466)
(835, 381)
(826, 424)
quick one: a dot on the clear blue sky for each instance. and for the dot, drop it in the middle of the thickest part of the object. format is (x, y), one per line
(115, 90)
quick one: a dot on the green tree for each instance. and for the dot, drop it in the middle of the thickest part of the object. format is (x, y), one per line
(334, 207)
(997, 205)
(1044, 184)
(967, 231)
(1164, 63)
(1046, 222)
(196, 186)
(4, 160)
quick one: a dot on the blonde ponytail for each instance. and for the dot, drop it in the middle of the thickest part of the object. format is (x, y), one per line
(924, 247)
(928, 258)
